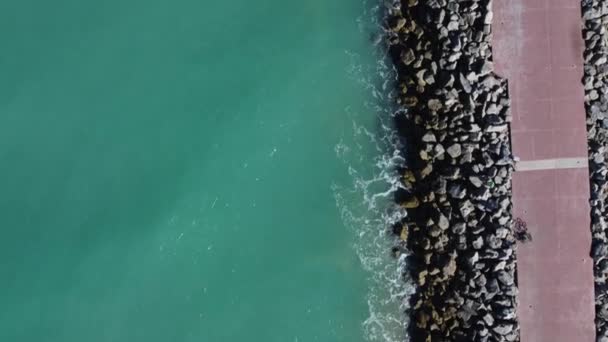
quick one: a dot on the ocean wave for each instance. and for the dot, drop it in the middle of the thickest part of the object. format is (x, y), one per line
(371, 153)
(367, 208)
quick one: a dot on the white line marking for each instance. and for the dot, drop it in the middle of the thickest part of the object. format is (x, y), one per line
(552, 164)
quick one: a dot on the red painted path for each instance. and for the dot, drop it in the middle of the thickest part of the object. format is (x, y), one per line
(538, 47)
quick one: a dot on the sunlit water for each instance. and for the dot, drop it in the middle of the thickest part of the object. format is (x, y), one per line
(195, 171)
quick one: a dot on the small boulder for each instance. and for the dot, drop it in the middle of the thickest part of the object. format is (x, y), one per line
(434, 105)
(505, 278)
(478, 243)
(411, 203)
(459, 228)
(457, 191)
(475, 181)
(429, 137)
(454, 151)
(503, 329)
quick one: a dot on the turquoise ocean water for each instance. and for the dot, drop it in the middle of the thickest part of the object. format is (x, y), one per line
(193, 171)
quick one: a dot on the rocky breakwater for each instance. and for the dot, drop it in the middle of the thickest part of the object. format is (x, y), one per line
(453, 117)
(595, 17)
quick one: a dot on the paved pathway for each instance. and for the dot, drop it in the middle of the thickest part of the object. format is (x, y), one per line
(538, 46)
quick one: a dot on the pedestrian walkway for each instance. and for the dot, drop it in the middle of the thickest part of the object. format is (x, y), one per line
(538, 47)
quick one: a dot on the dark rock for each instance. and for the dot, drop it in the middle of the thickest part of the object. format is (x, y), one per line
(457, 190)
(459, 228)
(451, 173)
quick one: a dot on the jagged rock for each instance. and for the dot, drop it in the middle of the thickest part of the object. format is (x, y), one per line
(440, 186)
(477, 243)
(489, 319)
(451, 173)
(500, 266)
(422, 277)
(497, 128)
(475, 181)
(467, 157)
(488, 18)
(464, 82)
(460, 169)
(512, 337)
(491, 117)
(439, 151)
(503, 220)
(429, 137)
(598, 59)
(459, 228)
(457, 190)
(505, 278)
(503, 329)
(398, 25)
(450, 269)
(455, 150)
(466, 208)
(435, 231)
(443, 222)
(426, 170)
(411, 203)
(506, 313)
(435, 105)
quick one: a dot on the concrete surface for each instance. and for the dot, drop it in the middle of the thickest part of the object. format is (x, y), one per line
(538, 47)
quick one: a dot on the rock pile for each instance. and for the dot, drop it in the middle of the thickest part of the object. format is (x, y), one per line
(454, 120)
(595, 80)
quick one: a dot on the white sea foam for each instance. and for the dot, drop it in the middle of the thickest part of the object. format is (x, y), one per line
(372, 155)
(367, 208)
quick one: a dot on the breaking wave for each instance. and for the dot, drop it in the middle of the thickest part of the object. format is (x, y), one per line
(371, 153)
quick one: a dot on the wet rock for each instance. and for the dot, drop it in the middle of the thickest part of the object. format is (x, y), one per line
(408, 57)
(459, 159)
(398, 24)
(411, 203)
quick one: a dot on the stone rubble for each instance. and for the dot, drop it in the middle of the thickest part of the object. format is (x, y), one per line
(595, 81)
(454, 118)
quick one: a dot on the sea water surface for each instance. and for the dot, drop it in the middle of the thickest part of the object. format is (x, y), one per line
(193, 171)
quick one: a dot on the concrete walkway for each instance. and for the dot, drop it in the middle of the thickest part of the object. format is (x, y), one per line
(538, 47)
